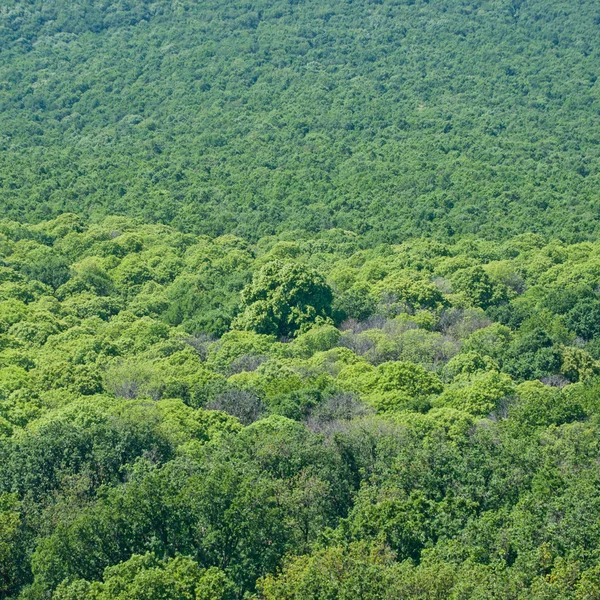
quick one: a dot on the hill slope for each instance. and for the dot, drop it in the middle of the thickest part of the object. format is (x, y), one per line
(387, 118)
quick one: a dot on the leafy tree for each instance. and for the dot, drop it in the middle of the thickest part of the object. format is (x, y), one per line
(578, 365)
(415, 456)
(317, 339)
(584, 317)
(479, 395)
(477, 288)
(89, 275)
(144, 576)
(400, 291)
(490, 341)
(468, 363)
(284, 298)
(532, 356)
(538, 405)
(48, 267)
(13, 567)
(336, 573)
(356, 302)
(234, 345)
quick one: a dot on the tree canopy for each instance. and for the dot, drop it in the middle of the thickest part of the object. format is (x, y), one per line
(299, 299)
(443, 444)
(390, 118)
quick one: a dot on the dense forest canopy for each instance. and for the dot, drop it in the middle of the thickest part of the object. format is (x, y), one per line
(299, 300)
(389, 118)
(188, 417)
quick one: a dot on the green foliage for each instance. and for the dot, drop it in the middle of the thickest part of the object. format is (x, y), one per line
(336, 573)
(317, 339)
(12, 567)
(356, 302)
(220, 118)
(468, 363)
(479, 395)
(531, 356)
(400, 291)
(583, 318)
(284, 298)
(143, 576)
(540, 406)
(490, 341)
(396, 385)
(405, 377)
(340, 337)
(474, 284)
(578, 365)
(235, 346)
(149, 447)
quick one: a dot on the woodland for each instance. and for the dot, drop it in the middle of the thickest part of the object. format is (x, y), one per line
(299, 300)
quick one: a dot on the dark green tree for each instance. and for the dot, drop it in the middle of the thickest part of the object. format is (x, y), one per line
(283, 299)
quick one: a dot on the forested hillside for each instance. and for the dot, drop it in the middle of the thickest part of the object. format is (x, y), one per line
(185, 417)
(299, 300)
(389, 118)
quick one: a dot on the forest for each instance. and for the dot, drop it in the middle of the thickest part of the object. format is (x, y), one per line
(389, 118)
(187, 417)
(299, 300)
